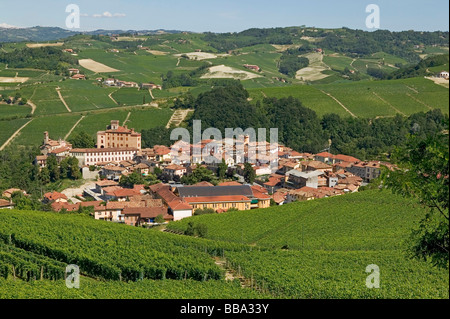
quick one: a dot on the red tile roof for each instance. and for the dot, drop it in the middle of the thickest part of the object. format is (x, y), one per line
(54, 196)
(217, 199)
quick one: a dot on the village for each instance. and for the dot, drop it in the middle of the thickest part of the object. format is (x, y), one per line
(119, 153)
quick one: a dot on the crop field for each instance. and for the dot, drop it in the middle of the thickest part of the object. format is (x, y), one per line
(363, 98)
(320, 249)
(13, 111)
(8, 127)
(145, 289)
(317, 249)
(132, 96)
(57, 126)
(139, 119)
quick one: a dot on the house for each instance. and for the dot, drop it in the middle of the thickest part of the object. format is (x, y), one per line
(110, 82)
(443, 75)
(68, 50)
(50, 145)
(297, 179)
(366, 170)
(242, 197)
(6, 204)
(59, 206)
(8, 193)
(126, 84)
(55, 197)
(74, 71)
(138, 216)
(252, 67)
(316, 166)
(41, 161)
(96, 156)
(275, 181)
(100, 186)
(122, 195)
(78, 77)
(142, 169)
(175, 170)
(180, 209)
(117, 136)
(113, 172)
(150, 86)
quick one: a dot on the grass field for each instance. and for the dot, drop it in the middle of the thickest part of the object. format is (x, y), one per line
(8, 127)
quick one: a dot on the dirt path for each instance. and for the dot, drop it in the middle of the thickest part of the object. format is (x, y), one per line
(62, 99)
(393, 107)
(14, 135)
(178, 117)
(439, 81)
(419, 101)
(412, 89)
(126, 120)
(110, 96)
(33, 106)
(151, 94)
(71, 130)
(339, 102)
(178, 63)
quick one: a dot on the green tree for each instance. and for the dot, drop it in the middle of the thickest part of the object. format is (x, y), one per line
(423, 173)
(133, 179)
(82, 140)
(249, 173)
(222, 170)
(52, 165)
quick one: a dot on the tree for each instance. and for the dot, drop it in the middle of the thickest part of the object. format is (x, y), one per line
(222, 170)
(133, 179)
(249, 173)
(423, 173)
(52, 165)
(200, 174)
(82, 140)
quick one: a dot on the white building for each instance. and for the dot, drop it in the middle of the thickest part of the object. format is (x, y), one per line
(93, 156)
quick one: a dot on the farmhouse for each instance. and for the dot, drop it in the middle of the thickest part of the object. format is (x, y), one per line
(252, 67)
(443, 75)
(74, 71)
(78, 77)
(8, 193)
(151, 86)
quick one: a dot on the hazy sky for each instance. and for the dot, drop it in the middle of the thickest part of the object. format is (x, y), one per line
(227, 15)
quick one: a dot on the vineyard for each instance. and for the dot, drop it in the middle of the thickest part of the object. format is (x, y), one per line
(315, 249)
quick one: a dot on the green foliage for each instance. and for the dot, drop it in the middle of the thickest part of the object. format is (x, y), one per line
(129, 181)
(156, 136)
(423, 174)
(290, 62)
(200, 174)
(206, 211)
(82, 140)
(45, 58)
(249, 173)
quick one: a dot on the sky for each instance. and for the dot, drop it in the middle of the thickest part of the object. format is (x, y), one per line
(226, 15)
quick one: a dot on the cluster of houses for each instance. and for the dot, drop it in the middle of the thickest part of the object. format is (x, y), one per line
(126, 84)
(296, 177)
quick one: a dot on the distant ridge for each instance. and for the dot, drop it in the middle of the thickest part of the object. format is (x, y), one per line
(37, 34)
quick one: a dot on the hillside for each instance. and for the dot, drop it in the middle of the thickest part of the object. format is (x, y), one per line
(316, 249)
